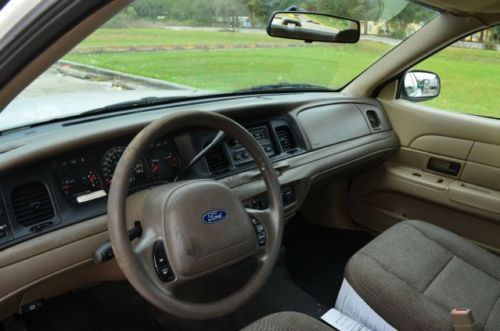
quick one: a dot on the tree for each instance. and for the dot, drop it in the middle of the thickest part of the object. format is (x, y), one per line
(229, 10)
(151, 8)
(367, 10)
(258, 11)
(410, 14)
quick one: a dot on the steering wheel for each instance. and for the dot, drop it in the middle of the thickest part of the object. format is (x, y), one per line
(195, 227)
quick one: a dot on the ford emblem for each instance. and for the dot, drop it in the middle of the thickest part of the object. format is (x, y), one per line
(214, 216)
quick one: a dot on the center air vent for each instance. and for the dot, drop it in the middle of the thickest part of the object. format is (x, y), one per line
(373, 119)
(217, 160)
(286, 138)
(32, 204)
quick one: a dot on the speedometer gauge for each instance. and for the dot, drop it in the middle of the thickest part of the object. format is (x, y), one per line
(110, 160)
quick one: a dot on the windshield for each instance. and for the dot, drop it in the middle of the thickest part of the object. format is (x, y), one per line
(178, 48)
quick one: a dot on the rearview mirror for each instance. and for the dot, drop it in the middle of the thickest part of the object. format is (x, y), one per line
(420, 85)
(311, 27)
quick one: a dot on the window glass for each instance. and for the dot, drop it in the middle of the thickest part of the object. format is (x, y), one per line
(188, 48)
(470, 75)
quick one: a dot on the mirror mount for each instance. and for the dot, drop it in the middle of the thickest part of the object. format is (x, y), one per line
(420, 85)
(295, 8)
(295, 23)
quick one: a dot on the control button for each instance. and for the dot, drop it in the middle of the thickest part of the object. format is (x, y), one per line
(244, 155)
(260, 232)
(165, 271)
(261, 238)
(234, 142)
(236, 156)
(268, 148)
(161, 260)
(161, 264)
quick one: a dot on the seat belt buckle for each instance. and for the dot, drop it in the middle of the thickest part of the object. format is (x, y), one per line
(463, 320)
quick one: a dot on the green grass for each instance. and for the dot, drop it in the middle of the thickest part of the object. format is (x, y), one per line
(470, 77)
(470, 81)
(158, 36)
(239, 68)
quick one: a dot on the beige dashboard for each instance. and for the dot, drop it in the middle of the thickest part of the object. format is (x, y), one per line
(60, 259)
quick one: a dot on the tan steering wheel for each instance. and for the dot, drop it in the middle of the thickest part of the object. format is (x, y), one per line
(195, 227)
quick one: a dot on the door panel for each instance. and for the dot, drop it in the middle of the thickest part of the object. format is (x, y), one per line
(447, 146)
(447, 172)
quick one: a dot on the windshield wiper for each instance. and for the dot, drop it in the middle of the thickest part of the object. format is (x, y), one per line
(286, 87)
(151, 101)
(155, 101)
(148, 101)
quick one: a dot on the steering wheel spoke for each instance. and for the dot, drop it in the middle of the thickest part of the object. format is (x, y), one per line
(264, 216)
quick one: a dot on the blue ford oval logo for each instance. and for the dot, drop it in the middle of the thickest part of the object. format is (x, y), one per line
(214, 216)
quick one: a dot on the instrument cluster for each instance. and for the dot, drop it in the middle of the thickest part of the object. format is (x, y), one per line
(87, 176)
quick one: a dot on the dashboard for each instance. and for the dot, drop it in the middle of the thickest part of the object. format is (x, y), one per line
(73, 186)
(87, 174)
(54, 178)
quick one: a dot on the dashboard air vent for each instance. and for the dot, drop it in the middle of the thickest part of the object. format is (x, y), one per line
(32, 204)
(286, 138)
(373, 119)
(217, 160)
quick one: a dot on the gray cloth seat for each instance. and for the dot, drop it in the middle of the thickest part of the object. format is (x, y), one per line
(287, 321)
(415, 273)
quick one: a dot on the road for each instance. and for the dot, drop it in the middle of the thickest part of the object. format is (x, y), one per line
(53, 81)
(54, 94)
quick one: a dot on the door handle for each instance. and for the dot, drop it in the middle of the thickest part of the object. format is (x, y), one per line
(444, 166)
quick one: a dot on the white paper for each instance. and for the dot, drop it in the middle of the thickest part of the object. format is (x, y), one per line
(353, 306)
(342, 322)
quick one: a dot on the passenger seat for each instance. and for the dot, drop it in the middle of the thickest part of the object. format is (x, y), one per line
(415, 273)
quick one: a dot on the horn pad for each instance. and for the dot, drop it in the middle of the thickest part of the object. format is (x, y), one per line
(205, 226)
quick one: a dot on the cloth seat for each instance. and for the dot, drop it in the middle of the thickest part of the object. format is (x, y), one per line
(287, 321)
(415, 273)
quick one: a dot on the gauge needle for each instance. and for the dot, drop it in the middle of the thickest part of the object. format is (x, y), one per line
(155, 168)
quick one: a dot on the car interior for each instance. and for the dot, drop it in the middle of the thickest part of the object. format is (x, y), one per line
(248, 209)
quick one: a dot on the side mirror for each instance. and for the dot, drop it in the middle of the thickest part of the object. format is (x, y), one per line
(420, 86)
(311, 27)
